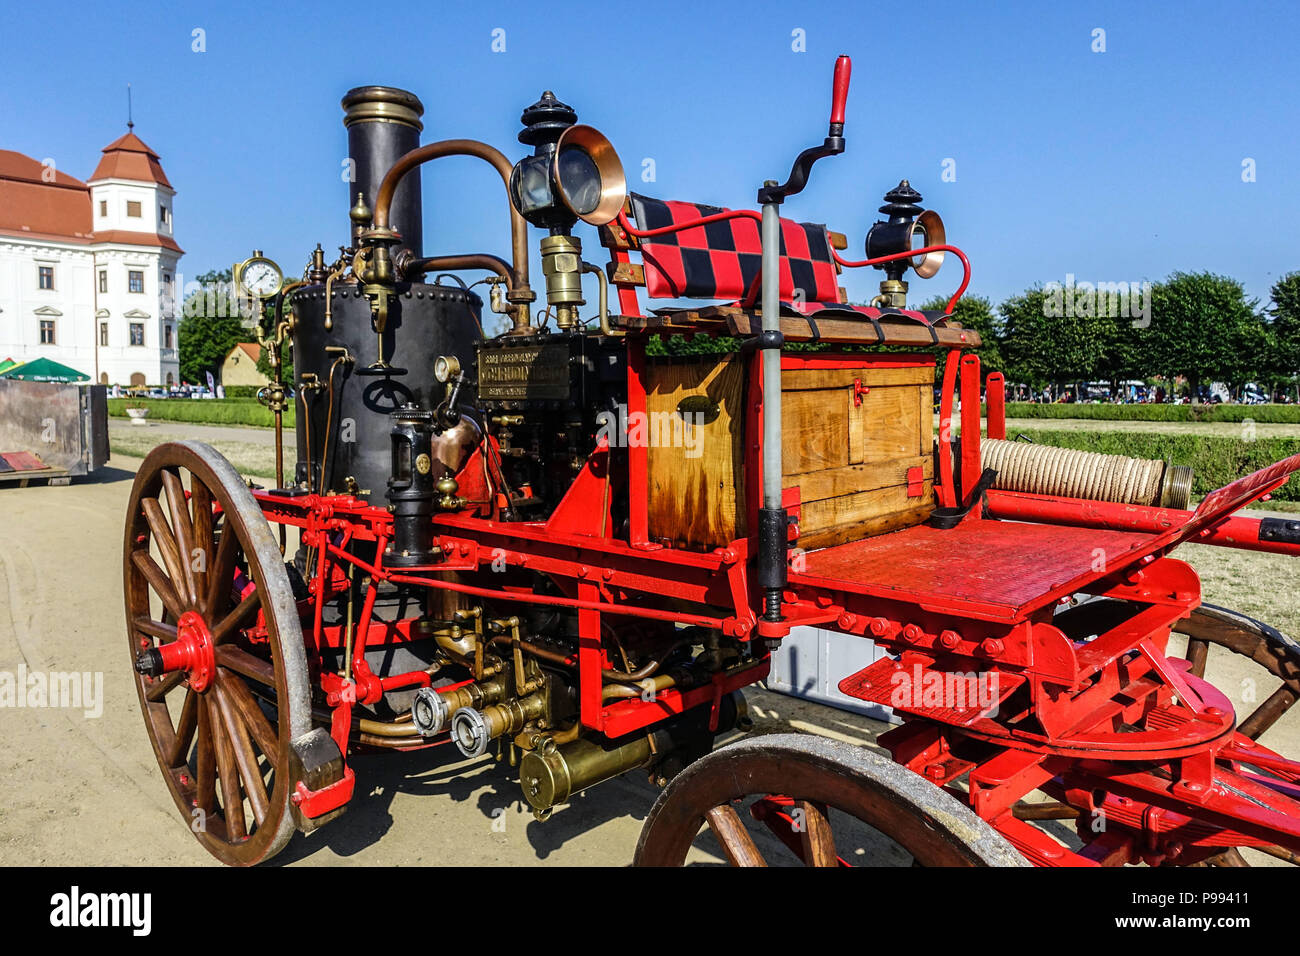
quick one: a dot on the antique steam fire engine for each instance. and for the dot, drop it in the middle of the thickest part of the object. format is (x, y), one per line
(555, 545)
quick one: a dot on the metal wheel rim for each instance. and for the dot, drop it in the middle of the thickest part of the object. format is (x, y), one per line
(927, 822)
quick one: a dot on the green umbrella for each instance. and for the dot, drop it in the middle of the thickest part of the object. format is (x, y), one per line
(7, 364)
(44, 370)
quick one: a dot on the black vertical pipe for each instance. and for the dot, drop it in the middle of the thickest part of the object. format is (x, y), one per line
(383, 123)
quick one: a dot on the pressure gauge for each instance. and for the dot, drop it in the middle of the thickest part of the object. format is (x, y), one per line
(260, 276)
(446, 368)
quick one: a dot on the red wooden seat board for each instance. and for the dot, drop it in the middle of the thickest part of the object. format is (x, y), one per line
(998, 570)
(1002, 570)
(23, 461)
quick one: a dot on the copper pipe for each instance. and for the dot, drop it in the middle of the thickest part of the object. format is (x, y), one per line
(379, 728)
(555, 657)
(476, 260)
(519, 293)
(623, 691)
(1044, 811)
(400, 743)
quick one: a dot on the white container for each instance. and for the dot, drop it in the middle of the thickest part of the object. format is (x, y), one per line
(811, 662)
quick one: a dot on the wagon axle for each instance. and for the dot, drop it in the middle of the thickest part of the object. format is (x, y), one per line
(191, 652)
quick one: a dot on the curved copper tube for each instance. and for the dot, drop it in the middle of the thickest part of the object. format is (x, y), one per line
(519, 293)
(555, 657)
(478, 260)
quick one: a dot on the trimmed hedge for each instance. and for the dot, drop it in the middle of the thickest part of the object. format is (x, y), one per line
(242, 391)
(202, 411)
(1156, 413)
(1216, 460)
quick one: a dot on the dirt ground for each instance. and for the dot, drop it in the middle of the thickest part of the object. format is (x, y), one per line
(83, 788)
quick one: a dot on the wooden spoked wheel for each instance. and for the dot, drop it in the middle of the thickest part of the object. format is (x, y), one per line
(220, 666)
(800, 793)
(1244, 658)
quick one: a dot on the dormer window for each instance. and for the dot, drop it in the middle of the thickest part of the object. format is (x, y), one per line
(133, 208)
(103, 208)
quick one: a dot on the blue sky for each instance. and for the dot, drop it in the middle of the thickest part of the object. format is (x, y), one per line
(1115, 166)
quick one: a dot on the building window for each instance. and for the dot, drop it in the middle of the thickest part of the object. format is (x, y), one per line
(47, 331)
(46, 276)
(137, 333)
(167, 336)
(103, 334)
(103, 280)
(135, 280)
(164, 216)
(103, 208)
(133, 208)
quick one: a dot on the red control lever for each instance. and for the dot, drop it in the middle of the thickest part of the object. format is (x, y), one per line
(840, 93)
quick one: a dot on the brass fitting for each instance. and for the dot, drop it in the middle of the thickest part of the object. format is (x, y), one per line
(893, 294)
(562, 266)
(472, 730)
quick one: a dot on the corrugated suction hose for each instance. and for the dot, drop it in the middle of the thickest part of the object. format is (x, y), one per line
(1045, 470)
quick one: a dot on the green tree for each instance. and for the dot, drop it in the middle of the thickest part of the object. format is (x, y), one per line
(974, 312)
(1204, 328)
(1284, 310)
(210, 327)
(1043, 346)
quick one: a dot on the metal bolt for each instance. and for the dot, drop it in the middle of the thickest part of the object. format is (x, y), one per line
(912, 632)
(949, 639)
(993, 646)
(879, 626)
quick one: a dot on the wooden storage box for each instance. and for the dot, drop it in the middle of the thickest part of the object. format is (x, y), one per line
(858, 446)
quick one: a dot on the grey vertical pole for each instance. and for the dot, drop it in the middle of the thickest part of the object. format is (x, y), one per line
(773, 532)
(773, 476)
(773, 523)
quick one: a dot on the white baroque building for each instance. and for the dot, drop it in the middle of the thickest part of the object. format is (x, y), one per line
(88, 270)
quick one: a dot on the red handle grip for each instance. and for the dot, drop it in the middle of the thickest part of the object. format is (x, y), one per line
(840, 88)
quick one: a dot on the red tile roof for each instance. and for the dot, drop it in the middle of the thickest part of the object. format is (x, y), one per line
(127, 157)
(136, 238)
(36, 208)
(38, 204)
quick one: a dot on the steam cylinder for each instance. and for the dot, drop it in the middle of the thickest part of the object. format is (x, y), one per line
(383, 123)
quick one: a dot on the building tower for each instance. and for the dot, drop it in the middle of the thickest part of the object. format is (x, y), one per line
(135, 259)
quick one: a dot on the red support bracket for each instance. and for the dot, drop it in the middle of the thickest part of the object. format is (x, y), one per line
(316, 803)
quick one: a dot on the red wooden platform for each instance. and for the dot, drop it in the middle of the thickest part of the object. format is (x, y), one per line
(996, 570)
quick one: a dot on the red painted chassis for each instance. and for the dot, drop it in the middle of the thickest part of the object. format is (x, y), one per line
(1112, 726)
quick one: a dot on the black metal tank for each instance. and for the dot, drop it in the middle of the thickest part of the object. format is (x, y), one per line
(352, 441)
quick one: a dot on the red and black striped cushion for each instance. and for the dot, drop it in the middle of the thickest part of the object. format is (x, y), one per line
(722, 260)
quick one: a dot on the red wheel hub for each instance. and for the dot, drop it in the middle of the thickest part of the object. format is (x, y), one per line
(192, 651)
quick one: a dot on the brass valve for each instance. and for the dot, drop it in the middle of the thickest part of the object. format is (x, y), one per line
(562, 266)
